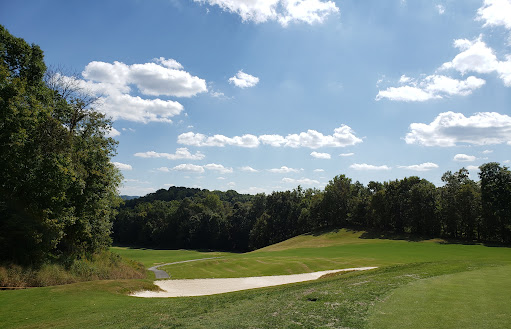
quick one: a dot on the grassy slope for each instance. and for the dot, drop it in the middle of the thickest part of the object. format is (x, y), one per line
(344, 301)
(334, 250)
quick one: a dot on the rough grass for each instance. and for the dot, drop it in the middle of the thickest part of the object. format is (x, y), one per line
(101, 266)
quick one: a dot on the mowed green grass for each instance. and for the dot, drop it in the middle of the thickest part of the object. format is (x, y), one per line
(333, 250)
(353, 300)
(474, 299)
(151, 257)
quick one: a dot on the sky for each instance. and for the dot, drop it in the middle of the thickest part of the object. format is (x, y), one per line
(265, 95)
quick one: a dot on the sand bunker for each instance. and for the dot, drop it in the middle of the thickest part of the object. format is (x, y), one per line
(202, 287)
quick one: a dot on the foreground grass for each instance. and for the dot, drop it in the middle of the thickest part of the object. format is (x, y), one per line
(343, 301)
(352, 300)
(474, 299)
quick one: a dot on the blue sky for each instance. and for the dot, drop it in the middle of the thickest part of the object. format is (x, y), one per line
(264, 95)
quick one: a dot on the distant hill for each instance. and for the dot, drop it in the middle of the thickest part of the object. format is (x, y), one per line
(179, 193)
(129, 197)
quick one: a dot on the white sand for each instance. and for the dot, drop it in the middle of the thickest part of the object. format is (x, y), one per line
(202, 287)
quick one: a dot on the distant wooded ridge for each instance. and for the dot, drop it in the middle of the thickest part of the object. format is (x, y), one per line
(462, 209)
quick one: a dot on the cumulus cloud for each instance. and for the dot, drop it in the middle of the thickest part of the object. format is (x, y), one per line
(248, 169)
(194, 139)
(191, 168)
(319, 170)
(450, 128)
(318, 155)
(487, 151)
(302, 181)
(115, 82)
(421, 167)
(283, 11)
(365, 166)
(431, 87)
(441, 9)
(473, 168)
(181, 153)
(244, 80)
(495, 13)
(122, 166)
(187, 167)
(165, 77)
(284, 170)
(342, 136)
(476, 56)
(464, 158)
(219, 168)
(346, 154)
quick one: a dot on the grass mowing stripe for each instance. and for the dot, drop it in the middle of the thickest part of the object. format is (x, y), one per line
(474, 299)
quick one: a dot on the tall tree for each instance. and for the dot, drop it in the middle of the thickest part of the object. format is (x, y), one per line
(57, 184)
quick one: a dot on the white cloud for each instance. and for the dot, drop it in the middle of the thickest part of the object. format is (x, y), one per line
(308, 11)
(495, 13)
(319, 170)
(244, 80)
(365, 166)
(191, 138)
(441, 9)
(170, 63)
(248, 169)
(231, 184)
(181, 153)
(464, 158)
(112, 132)
(318, 155)
(221, 178)
(450, 128)
(122, 166)
(476, 56)
(302, 181)
(272, 140)
(165, 78)
(346, 154)
(421, 167)
(431, 87)
(283, 170)
(218, 167)
(283, 11)
(342, 136)
(134, 108)
(164, 169)
(189, 168)
(487, 151)
(115, 82)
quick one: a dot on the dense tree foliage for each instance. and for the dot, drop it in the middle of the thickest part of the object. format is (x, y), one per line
(57, 183)
(462, 209)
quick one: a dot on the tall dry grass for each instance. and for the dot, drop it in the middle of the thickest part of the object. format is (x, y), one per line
(103, 266)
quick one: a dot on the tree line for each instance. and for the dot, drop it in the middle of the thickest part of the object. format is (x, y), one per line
(461, 209)
(58, 189)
